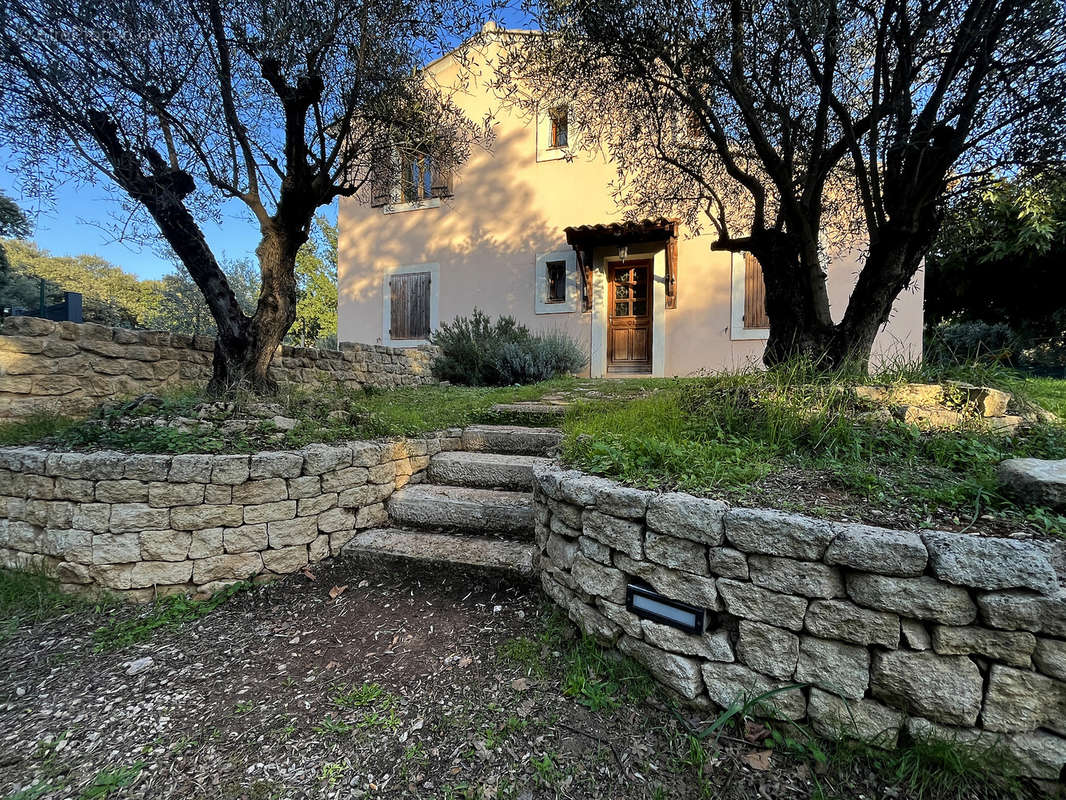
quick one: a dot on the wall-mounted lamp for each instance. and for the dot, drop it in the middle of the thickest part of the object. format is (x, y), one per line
(623, 251)
(647, 604)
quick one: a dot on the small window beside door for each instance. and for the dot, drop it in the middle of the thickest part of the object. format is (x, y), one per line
(555, 276)
(555, 283)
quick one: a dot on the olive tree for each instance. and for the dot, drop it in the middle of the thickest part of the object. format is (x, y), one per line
(793, 127)
(281, 105)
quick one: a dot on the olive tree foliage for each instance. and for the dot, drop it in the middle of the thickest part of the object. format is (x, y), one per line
(280, 105)
(797, 129)
(13, 224)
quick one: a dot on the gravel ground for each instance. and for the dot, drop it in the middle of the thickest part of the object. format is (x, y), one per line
(404, 684)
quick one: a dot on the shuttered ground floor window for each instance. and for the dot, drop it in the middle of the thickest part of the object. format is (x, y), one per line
(409, 310)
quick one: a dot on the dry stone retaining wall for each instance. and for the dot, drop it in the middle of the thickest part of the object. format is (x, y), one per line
(70, 368)
(140, 525)
(939, 634)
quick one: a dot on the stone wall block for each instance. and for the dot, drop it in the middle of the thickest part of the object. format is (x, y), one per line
(374, 515)
(168, 545)
(194, 518)
(275, 465)
(562, 551)
(162, 494)
(623, 535)
(205, 543)
(235, 567)
(138, 517)
(680, 673)
(1038, 754)
(789, 576)
(365, 495)
(190, 468)
(568, 514)
(730, 683)
(265, 490)
(336, 519)
(285, 559)
(599, 580)
(165, 573)
(768, 649)
(714, 646)
(229, 470)
(1050, 657)
(752, 602)
(777, 533)
(309, 506)
(306, 486)
(320, 458)
(122, 491)
(621, 616)
(987, 563)
(1010, 647)
(682, 554)
(866, 720)
(843, 620)
(924, 597)
(944, 689)
(593, 623)
(146, 467)
(1024, 611)
(245, 539)
(879, 550)
(725, 562)
(287, 533)
(1021, 700)
(843, 669)
(346, 478)
(597, 551)
(122, 548)
(687, 517)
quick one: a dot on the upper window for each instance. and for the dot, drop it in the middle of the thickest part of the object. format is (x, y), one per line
(555, 277)
(555, 133)
(559, 127)
(404, 181)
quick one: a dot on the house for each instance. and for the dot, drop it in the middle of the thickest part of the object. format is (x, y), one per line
(530, 229)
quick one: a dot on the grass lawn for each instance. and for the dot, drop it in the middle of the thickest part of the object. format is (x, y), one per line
(407, 684)
(795, 441)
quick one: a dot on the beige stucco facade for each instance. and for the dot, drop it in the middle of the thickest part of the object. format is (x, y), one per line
(510, 206)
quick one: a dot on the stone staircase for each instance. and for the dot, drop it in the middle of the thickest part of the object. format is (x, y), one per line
(475, 511)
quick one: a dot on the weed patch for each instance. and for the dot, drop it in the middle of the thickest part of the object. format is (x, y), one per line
(168, 612)
(27, 597)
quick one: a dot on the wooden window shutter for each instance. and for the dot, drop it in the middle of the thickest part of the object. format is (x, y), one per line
(381, 177)
(754, 294)
(409, 307)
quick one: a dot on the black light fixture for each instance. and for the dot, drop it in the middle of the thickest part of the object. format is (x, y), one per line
(649, 604)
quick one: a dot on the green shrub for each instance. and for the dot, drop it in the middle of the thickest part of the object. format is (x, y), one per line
(479, 352)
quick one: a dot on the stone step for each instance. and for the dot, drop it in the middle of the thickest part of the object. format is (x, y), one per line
(485, 470)
(462, 508)
(531, 409)
(477, 553)
(511, 439)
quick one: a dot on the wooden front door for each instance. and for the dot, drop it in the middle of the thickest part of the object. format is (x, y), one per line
(629, 317)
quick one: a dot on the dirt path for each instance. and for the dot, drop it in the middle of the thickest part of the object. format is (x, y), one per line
(407, 684)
